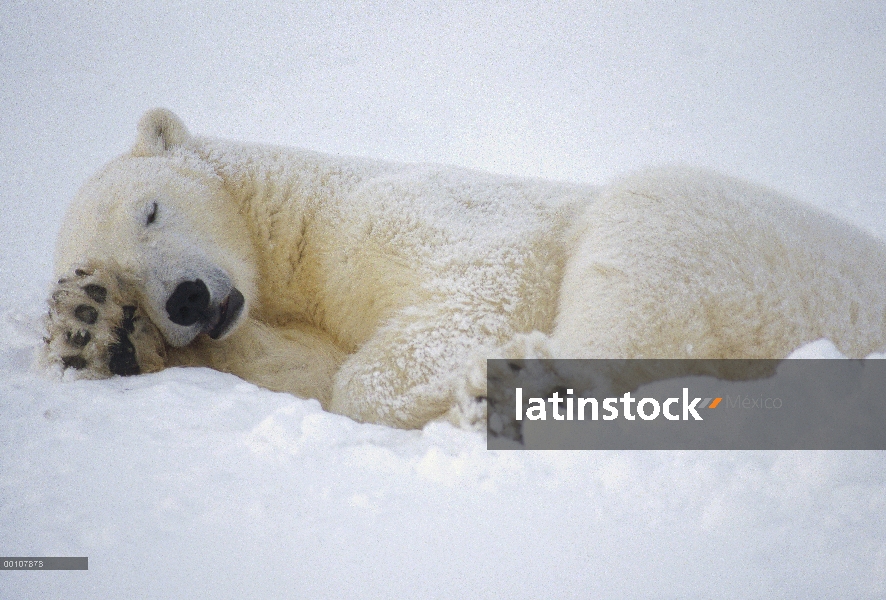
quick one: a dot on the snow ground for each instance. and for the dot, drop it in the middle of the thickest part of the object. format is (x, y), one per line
(193, 484)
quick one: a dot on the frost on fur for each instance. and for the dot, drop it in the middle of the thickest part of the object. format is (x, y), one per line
(96, 327)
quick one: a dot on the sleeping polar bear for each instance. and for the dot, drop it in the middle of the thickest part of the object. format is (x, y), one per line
(381, 288)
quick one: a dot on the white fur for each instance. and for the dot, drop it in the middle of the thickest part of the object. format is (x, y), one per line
(380, 287)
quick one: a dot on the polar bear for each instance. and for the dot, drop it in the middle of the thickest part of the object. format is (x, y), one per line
(380, 288)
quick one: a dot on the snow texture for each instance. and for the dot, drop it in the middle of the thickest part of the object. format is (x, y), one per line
(190, 483)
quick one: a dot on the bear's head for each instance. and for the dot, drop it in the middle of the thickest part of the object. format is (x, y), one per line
(161, 215)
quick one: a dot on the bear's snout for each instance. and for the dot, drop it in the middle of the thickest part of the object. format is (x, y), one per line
(188, 303)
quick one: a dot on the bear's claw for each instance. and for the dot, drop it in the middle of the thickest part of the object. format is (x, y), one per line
(96, 327)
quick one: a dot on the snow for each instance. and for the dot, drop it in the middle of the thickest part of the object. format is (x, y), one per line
(191, 483)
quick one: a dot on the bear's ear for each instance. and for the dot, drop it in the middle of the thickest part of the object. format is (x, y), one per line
(159, 130)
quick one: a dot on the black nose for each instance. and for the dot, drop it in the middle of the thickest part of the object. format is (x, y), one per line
(188, 303)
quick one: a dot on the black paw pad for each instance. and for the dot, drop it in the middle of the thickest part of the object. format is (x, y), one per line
(129, 319)
(79, 339)
(122, 359)
(86, 314)
(77, 362)
(96, 292)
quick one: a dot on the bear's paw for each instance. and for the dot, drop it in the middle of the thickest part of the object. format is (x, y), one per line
(96, 328)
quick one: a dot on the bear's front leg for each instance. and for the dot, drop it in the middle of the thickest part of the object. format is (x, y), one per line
(296, 358)
(420, 366)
